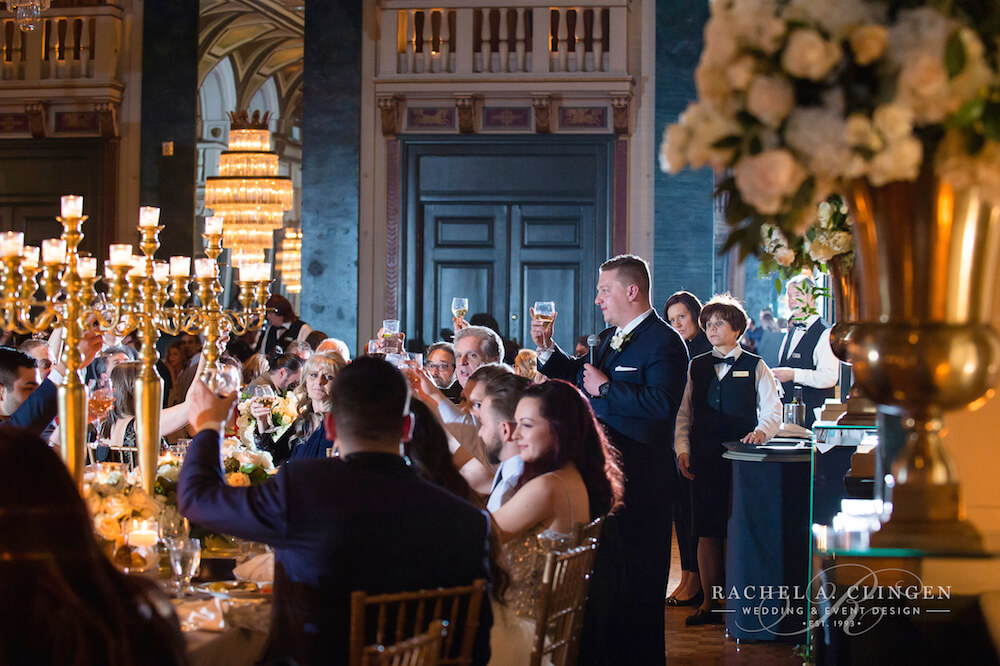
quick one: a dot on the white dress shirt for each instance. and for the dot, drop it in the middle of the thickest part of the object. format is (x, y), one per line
(768, 402)
(827, 371)
(507, 476)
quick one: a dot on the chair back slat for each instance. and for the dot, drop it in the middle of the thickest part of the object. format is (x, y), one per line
(421, 650)
(411, 614)
(588, 531)
(561, 603)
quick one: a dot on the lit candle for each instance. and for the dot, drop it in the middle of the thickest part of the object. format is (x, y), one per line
(53, 251)
(71, 205)
(142, 534)
(120, 254)
(180, 266)
(109, 272)
(265, 271)
(213, 225)
(205, 268)
(87, 267)
(161, 271)
(31, 256)
(11, 243)
(149, 216)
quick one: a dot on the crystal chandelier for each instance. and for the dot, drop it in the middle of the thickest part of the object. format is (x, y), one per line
(27, 13)
(248, 194)
(290, 261)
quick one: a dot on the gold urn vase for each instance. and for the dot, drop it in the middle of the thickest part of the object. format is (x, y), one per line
(927, 259)
(847, 302)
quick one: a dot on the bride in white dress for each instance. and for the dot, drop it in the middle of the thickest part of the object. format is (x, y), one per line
(570, 476)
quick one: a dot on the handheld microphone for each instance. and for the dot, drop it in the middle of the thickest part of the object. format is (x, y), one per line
(592, 342)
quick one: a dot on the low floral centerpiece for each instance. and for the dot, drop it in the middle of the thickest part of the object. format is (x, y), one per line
(284, 409)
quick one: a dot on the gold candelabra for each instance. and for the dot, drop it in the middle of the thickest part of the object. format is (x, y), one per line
(142, 294)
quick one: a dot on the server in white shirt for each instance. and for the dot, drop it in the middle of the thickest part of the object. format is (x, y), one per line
(806, 360)
(730, 395)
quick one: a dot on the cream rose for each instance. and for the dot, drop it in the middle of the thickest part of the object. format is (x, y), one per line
(894, 121)
(923, 86)
(899, 161)
(868, 43)
(740, 73)
(107, 527)
(765, 180)
(784, 256)
(808, 56)
(117, 507)
(770, 99)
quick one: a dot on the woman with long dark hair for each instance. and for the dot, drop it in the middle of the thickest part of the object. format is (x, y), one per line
(683, 311)
(571, 475)
(64, 603)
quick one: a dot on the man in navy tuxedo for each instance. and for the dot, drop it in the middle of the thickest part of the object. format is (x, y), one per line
(635, 386)
(363, 521)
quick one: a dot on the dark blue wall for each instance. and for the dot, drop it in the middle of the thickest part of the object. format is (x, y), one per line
(330, 164)
(683, 252)
(169, 113)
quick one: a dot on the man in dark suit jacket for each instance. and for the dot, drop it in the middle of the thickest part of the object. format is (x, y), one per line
(363, 521)
(636, 384)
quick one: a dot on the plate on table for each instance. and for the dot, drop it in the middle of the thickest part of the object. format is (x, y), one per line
(235, 589)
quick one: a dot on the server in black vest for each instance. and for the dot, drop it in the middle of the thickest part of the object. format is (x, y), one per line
(806, 359)
(283, 326)
(730, 395)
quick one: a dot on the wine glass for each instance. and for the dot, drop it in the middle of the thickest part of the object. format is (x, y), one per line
(264, 395)
(459, 307)
(100, 400)
(185, 558)
(545, 311)
(173, 526)
(222, 379)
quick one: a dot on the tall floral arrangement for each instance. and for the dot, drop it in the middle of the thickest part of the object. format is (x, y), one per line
(797, 97)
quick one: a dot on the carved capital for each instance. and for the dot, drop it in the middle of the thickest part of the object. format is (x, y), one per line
(543, 119)
(389, 106)
(466, 113)
(107, 119)
(620, 106)
(36, 118)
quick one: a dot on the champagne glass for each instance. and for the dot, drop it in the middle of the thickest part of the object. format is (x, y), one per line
(100, 400)
(545, 311)
(185, 558)
(222, 378)
(264, 395)
(459, 307)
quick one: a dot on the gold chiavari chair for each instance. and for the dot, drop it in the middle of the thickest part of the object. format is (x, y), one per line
(421, 650)
(561, 603)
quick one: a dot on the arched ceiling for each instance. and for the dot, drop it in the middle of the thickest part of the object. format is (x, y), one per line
(263, 39)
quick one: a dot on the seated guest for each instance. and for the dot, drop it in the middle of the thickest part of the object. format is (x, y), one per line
(496, 394)
(283, 373)
(112, 356)
(300, 349)
(581, 348)
(120, 426)
(254, 367)
(571, 475)
(39, 350)
(170, 367)
(730, 395)
(64, 603)
(526, 365)
(509, 347)
(315, 338)
(305, 438)
(335, 345)
(363, 521)
(682, 311)
(439, 360)
(27, 402)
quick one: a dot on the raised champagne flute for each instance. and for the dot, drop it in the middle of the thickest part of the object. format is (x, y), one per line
(100, 400)
(265, 395)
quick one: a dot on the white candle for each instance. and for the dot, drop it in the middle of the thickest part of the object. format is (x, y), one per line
(205, 268)
(161, 271)
(180, 266)
(109, 272)
(213, 225)
(31, 256)
(149, 216)
(53, 251)
(265, 271)
(11, 243)
(141, 537)
(87, 267)
(71, 205)
(248, 272)
(120, 254)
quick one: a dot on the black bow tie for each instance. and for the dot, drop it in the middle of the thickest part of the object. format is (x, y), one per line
(797, 324)
(729, 360)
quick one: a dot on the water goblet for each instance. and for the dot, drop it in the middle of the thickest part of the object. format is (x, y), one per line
(185, 558)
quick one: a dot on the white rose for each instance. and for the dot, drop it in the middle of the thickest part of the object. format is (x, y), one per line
(673, 148)
(740, 73)
(808, 56)
(766, 179)
(817, 136)
(238, 480)
(770, 99)
(785, 256)
(708, 126)
(823, 212)
(858, 131)
(868, 43)
(894, 121)
(107, 527)
(117, 507)
(923, 30)
(923, 86)
(899, 161)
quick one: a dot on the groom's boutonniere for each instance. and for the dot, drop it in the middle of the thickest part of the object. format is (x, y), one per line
(618, 341)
